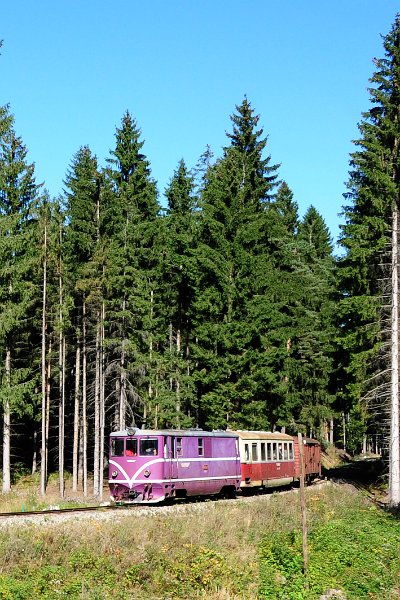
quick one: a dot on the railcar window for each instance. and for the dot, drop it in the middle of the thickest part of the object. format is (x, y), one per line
(280, 452)
(148, 447)
(246, 452)
(131, 447)
(290, 451)
(269, 451)
(263, 451)
(254, 453)
(274, 452)
(117, 446)
(179, 446)
(285, 451)
(200, 446)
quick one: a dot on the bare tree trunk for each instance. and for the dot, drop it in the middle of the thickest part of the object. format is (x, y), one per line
(75, 450)
(34, 453)
(61, 415)
(394, 445)
(43, 464)
(7, 430)
(178, 377)
(61, 370)
(102, 403)
(344, 430)
(331, 431)
(48, 390)
(97, 385)
(84, 402)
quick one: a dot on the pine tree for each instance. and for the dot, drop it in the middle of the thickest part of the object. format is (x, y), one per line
(179, 282)
(82, 242)
(230, 257)
(366, 236)
(18, 198)
(130, 225)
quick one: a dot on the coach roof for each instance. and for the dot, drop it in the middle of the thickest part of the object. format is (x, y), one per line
(264, 435)
(134, 431)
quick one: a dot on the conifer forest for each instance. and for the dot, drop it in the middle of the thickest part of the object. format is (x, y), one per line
(209, 304)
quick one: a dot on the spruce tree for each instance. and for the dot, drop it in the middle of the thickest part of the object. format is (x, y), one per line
(179, 282)
(130, 226)
(230, 257)
(370, 216)
(82, 243)
(18, 199)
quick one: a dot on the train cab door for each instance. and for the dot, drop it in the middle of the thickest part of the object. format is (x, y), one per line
(171, 457)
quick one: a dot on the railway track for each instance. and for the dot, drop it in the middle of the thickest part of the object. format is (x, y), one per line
(55, 514)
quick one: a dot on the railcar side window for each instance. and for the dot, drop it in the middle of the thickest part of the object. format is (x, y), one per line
(246, 452)
(274, 452)
(131, 447)
(117, 446)
(148, 447)
(254, 453)
(290, 451)
(269, 451)
(200, 446)
(280, 452)
(263, 451)
(179, 446)
(285, 451)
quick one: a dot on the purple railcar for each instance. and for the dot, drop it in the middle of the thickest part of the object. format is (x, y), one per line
(153, 465)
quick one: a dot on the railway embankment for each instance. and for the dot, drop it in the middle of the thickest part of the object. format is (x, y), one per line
(219, 550)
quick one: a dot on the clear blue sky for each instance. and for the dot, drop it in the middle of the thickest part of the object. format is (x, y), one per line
(70, 69)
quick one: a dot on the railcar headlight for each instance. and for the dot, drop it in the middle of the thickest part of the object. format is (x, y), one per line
(114, 474)
(147, 473)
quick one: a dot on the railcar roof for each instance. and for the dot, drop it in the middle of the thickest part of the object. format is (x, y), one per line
(264, 435)
(133, 431)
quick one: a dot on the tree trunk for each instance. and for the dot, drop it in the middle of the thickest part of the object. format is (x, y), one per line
(394, 445)
(178, 377)
(43, 464)
(97, 385)
(84, 402)
(7, 430)
(102, 403)
(75, 450)
(61, 416)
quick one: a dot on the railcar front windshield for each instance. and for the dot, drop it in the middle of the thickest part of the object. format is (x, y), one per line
(117, 446)
(131, 447)
(148, 447)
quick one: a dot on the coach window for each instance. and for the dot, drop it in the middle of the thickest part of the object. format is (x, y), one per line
(254, 453)
(148, 447)
(290, 451)
(285, 451)
(280, 451)
(179, 446)
(246, 452)
(263, 451)
(274, 452)
(200, 446)
(117, 446)
(131, 447)
(269, 451)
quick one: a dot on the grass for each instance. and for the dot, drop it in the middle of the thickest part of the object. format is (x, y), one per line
(205, 550)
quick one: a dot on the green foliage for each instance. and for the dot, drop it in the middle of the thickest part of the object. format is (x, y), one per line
(364, 269)
(357, 553)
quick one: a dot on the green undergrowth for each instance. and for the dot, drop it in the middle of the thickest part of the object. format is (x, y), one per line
(355, 552)
(209, 550)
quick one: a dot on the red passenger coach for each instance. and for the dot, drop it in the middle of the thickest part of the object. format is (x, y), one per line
(271, 459)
